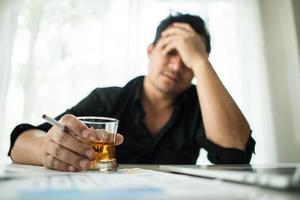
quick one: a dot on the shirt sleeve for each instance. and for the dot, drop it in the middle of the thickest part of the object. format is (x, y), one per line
(18, 130)
(96, 103)
(220, 155)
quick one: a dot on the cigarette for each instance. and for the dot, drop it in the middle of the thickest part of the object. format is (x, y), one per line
(63, 128)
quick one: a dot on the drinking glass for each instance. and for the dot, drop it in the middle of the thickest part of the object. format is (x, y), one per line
(102, 139)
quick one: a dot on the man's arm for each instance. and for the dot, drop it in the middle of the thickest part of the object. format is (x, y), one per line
(224, 123)
(57, 149)
(27, 148)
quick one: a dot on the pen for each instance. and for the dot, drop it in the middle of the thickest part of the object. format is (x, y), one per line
(59, 125)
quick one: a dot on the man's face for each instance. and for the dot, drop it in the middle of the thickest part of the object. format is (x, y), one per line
(167, 73)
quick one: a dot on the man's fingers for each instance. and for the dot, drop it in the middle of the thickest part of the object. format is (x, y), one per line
(119, 139)
(75, 126)
(68, 141)
(163, 41)
(175, 31)
(67, 156)
(184, 26)
(171, 45)
(54, 163)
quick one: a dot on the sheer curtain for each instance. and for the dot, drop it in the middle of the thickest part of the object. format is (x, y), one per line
(65, 48)
(8, 24)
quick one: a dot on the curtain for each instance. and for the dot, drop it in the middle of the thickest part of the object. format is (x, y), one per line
(8, 24)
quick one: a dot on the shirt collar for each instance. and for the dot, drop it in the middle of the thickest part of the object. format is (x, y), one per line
(182, 98)
(139, 92)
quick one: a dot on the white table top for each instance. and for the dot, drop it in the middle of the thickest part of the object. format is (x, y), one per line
(130, 182)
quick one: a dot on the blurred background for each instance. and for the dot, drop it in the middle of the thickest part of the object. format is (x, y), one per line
(53, 53)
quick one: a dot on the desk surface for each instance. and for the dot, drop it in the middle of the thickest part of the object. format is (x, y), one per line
(130, 182)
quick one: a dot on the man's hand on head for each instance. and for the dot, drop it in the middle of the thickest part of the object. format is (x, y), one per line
(188, 43)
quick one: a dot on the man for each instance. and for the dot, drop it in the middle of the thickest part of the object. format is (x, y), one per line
(163, 117)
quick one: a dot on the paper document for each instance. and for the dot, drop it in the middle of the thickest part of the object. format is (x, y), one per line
(38, 183)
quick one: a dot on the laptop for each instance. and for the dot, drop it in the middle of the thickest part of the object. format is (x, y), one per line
(285, 176)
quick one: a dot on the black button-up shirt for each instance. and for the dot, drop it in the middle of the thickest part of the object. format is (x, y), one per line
(178, 141)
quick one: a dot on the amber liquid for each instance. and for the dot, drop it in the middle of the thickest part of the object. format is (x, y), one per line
(105, 151)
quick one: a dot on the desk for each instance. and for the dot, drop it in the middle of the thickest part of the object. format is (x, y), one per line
(130, 182)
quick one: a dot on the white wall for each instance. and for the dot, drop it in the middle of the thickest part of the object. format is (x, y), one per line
(281, 51)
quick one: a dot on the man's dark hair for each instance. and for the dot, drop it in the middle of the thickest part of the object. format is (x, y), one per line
(196, 22)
